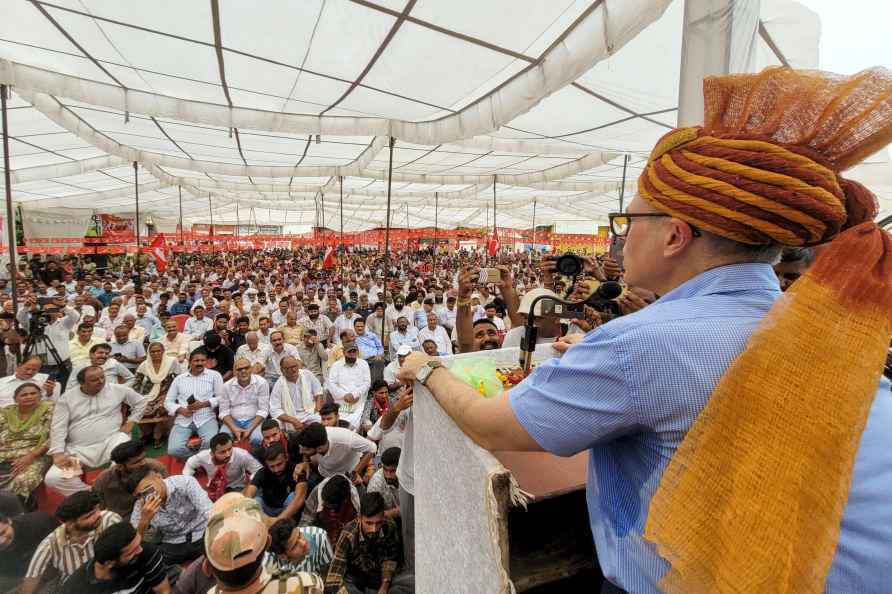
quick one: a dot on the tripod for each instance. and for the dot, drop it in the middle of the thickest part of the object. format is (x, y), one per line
(37, 338)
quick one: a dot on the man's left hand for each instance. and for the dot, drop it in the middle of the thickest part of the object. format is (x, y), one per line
(127, 428)
(411, 365)
(384, 589)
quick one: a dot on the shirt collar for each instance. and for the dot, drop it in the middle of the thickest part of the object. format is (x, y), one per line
(727, 279)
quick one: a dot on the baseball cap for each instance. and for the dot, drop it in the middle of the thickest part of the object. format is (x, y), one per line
(527, 301)
(404, 350)
(236, 534)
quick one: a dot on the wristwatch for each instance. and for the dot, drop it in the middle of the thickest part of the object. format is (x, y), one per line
(426, 370)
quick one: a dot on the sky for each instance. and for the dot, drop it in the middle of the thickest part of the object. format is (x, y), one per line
(855, 34)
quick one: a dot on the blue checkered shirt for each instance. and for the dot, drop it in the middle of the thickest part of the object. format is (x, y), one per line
(632, 388)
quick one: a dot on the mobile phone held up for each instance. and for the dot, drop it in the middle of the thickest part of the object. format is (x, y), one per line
(489, 275)
(190, 399)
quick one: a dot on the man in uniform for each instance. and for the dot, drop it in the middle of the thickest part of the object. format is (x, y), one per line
(235, 546)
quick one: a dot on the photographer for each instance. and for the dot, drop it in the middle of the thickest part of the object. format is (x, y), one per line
(464, 319)
(56, 321)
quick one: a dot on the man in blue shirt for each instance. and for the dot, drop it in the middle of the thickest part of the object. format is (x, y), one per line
(629, 391)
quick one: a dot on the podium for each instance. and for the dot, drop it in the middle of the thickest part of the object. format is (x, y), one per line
(493, 523)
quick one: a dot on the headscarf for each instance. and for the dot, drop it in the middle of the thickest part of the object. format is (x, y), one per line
(147, 368)
(753, 498)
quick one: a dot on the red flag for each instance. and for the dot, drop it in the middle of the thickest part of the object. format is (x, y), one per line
(159, 250)
(328, 260)
(492, 247)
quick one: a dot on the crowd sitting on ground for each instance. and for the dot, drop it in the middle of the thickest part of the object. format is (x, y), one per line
(269, 376)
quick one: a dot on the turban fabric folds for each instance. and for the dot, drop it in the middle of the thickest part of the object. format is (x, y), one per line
(753, 499)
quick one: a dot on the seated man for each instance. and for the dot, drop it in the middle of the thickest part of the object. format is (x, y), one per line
(393, 382)
(19, 536)
(349, 380)
(379, 403)
(367, 554)
(282, 494)
(244, 403)
(255, 352)
(27, 371)
(175, 343)
(121, 562)
(70, 545)
(115, 371)
(271, 433)
(219, 357)
(296, 397)
(191, 399)
(128, 352)
(87, 425)
(330, 414)
(331, 505)
(198, 324)
(226, 467)
(79, 346)
(110, 485)
(279, 350)
(385, 482)
(339, 451)
(176, 508)
(297, 548)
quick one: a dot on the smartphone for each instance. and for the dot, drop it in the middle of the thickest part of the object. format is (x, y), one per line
(489, 275)
(190, 399)
(616, 250)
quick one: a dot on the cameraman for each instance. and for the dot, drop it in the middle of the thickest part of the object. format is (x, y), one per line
(464, 319)
(56, 321)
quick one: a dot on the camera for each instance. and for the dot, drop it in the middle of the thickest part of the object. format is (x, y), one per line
(569, 265)
(39, 322)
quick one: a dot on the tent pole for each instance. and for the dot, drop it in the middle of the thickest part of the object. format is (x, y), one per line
(533, 245)
(236, 220)
(622, 188)
(180, 188)
(495, 229)
(138, 282)
(436, 212)
(10, 217)
(341, 210)
(211, 210)
(387, 227)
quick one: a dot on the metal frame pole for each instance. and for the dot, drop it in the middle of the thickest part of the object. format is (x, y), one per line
(136, 194)
(495, 228)
(387, 228)
(236, 220)
(341, 213)
(622, 188)
(180, 188)
(533, 244)
(10, 216)
(436, 241)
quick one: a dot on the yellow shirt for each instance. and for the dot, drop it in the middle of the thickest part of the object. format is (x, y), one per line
(292, 334)
(79, 352)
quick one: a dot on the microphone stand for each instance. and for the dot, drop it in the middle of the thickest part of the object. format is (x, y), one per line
(531, 333)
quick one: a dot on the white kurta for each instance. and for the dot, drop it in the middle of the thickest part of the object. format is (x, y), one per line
(85, 426)
(301, 394)
(345, 448)
(353, 379)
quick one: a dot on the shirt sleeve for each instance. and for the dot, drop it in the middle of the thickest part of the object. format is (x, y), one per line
(263, 403)
(41, 558)
(59, 430)
(170, 401)
(571, 404)
(335, 578)
(137, 403)
(361, 444)
(223, 402)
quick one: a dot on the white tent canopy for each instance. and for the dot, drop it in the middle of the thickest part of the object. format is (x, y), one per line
(273, 109)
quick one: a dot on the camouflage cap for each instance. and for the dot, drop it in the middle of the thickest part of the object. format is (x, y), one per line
(236, 534)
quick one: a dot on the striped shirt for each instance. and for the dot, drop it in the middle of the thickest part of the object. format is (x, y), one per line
(206, 386)
(245, 402)
(183, 516)
(316, 560)
(144, 573)
(65, 556)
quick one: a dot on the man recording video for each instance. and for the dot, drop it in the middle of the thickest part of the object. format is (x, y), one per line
(49, 326)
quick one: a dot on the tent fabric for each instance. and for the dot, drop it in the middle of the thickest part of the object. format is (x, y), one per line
(266, 109)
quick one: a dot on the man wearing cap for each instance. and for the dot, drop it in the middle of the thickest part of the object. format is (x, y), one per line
(346, 319)
(390, 372)
(405, 334)
(349, 380)
(549, 329)
(235, 545)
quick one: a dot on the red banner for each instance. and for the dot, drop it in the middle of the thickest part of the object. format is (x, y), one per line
(116, 229)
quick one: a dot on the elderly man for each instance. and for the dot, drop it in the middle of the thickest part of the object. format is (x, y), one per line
(87, 425)
(244, 403)
(349, 380)
(687, 502)
(255, 352)
(191, 398)
(280, 350)
(27, 371)
(434, 331)
(291, 330)
(198, 324)
(312, 354)
(136, 333)
(296, 397)
(130, 353)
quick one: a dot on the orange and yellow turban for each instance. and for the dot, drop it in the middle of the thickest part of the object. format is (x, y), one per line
(753, 498)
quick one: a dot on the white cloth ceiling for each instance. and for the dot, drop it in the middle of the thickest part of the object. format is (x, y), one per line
(225, 99)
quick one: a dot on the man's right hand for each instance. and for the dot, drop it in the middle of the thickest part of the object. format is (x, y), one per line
(63, 461)
(150, 506)
(349, 398)
(466, 281)
(48, 387)
(405, 399)
(184, 411)
(566, 342)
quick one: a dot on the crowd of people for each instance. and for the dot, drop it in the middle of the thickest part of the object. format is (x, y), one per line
(267, 375)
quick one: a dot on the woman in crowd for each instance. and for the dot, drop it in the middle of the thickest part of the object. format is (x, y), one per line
(153, 378)
(24, 440)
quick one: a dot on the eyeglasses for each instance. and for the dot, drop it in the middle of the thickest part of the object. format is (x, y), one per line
(620, 222)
